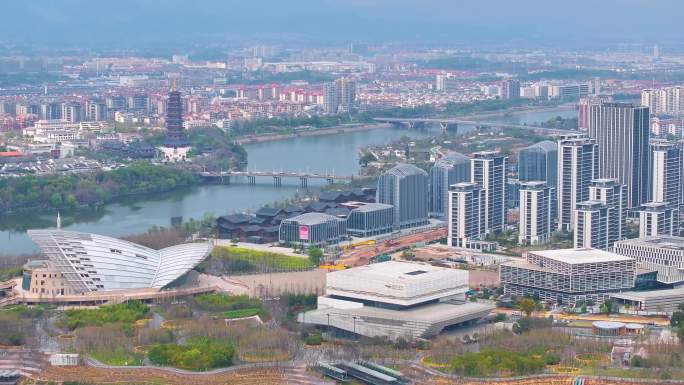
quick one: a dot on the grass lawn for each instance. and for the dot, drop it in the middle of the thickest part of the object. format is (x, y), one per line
(580, 324)
(118, 357)
(126, 313)
(242, 313)
(248, 260)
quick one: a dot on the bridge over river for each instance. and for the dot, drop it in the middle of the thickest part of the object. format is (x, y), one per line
(278, 176)
(451, 124)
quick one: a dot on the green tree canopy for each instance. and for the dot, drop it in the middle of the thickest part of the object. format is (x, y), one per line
(315, 255)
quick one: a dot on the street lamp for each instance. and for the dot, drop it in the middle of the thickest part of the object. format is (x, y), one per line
(354, 318)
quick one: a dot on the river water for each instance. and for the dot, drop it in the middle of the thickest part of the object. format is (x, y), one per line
(336, 153)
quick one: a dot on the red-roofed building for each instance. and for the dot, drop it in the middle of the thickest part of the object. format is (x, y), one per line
(10, 154)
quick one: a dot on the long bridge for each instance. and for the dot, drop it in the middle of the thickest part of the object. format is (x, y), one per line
(278, 176)
(451, 124)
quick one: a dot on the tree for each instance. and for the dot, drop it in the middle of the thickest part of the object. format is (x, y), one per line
(366, 158)
(680, 332)
(315, 255)
(607, 306)
(527, 306)
(55, 200)
(525, 324)
(637, 362)
(677, 318)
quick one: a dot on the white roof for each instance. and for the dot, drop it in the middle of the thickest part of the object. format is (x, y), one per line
(579, 256)
(395, 271)
(608, 324)
(401, 283)
(662, 241)
(91, 262)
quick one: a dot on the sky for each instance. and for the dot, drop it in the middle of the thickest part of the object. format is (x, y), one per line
(131, 22)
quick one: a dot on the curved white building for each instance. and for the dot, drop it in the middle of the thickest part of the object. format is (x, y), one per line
(90, 262)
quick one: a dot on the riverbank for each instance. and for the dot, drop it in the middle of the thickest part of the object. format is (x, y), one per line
(371, 126)
(516, 111)
(315, 152)
(309, 133)
(73, 191)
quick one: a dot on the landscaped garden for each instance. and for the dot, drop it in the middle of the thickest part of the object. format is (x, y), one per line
(230, 306)
(199, 353)
(192, 334)
(497, 362)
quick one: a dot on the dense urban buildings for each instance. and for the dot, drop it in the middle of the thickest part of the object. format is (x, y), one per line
(380, 174)
(395, 300)
(667, 100)
(568, 276)
(577, 166)
(536, 214)
(622, 132)
(450, 169)
(405, 187)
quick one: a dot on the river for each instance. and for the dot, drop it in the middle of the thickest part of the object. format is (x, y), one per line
(336, 153)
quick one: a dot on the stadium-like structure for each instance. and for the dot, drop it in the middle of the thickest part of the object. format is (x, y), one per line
(96, 263)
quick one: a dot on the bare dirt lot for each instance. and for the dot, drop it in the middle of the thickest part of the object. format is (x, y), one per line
(269, 285)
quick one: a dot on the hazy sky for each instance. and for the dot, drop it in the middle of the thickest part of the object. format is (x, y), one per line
(127, 22)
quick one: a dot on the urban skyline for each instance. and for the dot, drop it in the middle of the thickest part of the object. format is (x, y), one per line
(317, 192)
